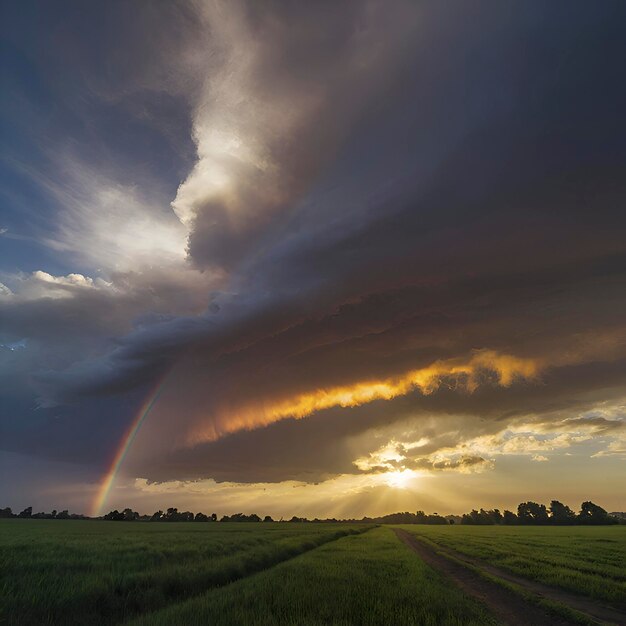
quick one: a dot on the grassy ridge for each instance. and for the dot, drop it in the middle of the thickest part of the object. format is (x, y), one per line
(366, 579)
(81, 572)
(588, 560)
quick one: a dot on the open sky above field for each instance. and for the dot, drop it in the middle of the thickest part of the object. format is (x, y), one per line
(322, 259)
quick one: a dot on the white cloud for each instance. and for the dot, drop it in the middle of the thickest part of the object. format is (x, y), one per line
(71, 280)
(111, 226)
(450, 447)
(616, 447)
(40, 284)
(279, 93)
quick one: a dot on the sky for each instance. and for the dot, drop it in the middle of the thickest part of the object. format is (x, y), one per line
(314, 259)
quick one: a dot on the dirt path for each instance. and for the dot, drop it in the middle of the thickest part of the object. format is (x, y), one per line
(507, 606)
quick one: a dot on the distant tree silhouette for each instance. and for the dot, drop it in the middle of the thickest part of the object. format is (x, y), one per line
(532, 513)
(114, 516)
(129, 515)
(591, 513)
(482, 517)
(419, 517)
(561, 514)
(528, 513)
(240, 517)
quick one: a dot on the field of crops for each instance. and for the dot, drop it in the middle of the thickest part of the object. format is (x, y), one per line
(365, 579)
(96, 572)
(86, 572)
(589, 561)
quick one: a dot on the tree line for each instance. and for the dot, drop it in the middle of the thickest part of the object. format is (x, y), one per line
(534, 514)
(27, 513)
(528, 514)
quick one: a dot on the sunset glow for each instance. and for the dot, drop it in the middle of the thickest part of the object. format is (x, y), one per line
(400, 480)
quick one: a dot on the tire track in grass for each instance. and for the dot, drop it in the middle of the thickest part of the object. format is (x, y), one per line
(365, 579)
(255, 564)
(507, 605)
(593, 609)
(262, 565)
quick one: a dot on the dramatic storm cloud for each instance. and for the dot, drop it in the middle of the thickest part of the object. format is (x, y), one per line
(313, 258)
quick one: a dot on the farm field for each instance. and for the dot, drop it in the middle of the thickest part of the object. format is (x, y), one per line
(590, 561)
(85, 572)
(364, 579)
(140, 573)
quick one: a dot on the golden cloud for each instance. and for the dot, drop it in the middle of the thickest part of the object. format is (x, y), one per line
(461, 373)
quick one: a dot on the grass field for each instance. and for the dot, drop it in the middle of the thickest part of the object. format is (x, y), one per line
(85, 572)
(367, 579)
(590, 561)
(94, 572)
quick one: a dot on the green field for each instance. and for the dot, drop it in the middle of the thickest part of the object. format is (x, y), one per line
(588, 560)
(365, 579)
(95, 572)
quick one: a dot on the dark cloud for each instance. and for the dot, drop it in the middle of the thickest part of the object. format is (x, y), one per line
(376, 190)
(328, 443)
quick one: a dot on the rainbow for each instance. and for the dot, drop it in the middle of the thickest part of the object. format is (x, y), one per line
(125, 444)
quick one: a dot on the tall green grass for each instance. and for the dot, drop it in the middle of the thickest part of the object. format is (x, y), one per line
(86, 572)
(367, 579)
(588, 560)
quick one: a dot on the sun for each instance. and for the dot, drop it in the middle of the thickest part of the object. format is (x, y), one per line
(399, 479)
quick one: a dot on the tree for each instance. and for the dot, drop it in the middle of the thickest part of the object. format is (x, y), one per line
(114, 516)
(592, 514)
(561, 514)
(157, 516)
(128, 515)
(509, 518)
(240, 517)
(214, 517)
(532, 513)
(171, 514)
(27, 512)
(7, 512)
(482, 517)
(267, 518)
(201, 517)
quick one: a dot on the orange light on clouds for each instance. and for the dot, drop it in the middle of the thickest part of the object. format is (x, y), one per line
(463, 373)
